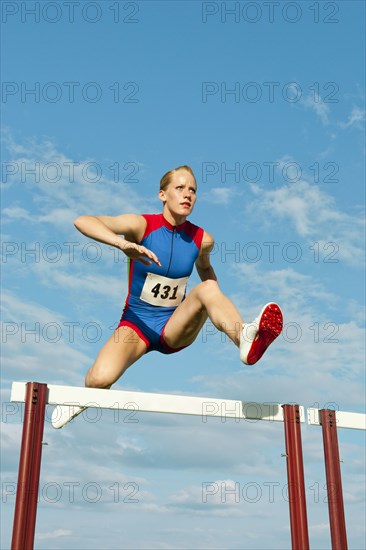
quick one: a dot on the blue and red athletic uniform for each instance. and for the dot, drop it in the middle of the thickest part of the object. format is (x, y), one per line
(177, 248)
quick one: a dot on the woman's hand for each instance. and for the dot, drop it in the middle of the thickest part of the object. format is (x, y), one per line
(139, 253)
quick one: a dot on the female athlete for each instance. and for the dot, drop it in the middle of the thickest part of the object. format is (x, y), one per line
(158, 314)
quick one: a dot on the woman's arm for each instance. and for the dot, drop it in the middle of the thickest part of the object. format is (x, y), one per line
(108, 230)
(203, 263)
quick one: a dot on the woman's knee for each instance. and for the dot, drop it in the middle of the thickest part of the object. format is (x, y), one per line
(206, 289)
(96, 378)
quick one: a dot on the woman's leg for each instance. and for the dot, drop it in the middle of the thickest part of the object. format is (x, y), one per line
(206, 300)
(120, 351)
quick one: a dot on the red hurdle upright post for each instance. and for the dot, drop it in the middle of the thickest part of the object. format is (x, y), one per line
(295, 477)
(328, 420)
(29, 467)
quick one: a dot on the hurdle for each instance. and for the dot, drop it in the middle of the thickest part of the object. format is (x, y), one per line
(37, 395)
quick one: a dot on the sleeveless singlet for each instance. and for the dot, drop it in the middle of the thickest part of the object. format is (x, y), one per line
(155, 292)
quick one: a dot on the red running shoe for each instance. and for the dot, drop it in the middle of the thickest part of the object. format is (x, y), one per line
(258, 335)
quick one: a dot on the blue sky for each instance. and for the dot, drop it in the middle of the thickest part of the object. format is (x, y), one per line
(267, 106)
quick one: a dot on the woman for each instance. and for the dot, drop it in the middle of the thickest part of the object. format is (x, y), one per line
(158, 315)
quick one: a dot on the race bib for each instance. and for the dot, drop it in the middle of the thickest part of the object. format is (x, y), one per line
(163, 291)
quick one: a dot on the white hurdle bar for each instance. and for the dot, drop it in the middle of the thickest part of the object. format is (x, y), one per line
(354, 421)
(37, 395)
(157, 403)
(181, 404)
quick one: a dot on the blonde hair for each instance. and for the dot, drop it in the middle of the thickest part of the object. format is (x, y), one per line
(167, 178)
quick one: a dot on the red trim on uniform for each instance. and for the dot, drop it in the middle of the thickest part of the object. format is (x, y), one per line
(136, 329)
(173, 227)
(195, 233)
(153, 222)
(166, 346)
(130, 276)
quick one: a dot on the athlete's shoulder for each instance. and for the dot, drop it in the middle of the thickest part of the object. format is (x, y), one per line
(195, 232)
(203, 260)
(153, 222)
(208, 242)
(153, 217)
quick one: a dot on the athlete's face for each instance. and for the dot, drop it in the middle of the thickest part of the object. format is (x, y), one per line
(180, 195)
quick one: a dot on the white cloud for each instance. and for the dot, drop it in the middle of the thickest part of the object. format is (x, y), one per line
(73, 279)
(313, 214)
(38, 342)
(220, 195)
(217, 497)
(59, 217)
(65, 188)
(56, 534)
(290, 286)
(304, 370)
(356, 119)
(14, 213)
(320, 108)
(10, 433)
(318, 355)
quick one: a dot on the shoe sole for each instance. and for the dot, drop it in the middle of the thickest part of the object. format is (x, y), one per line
(270, 327)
